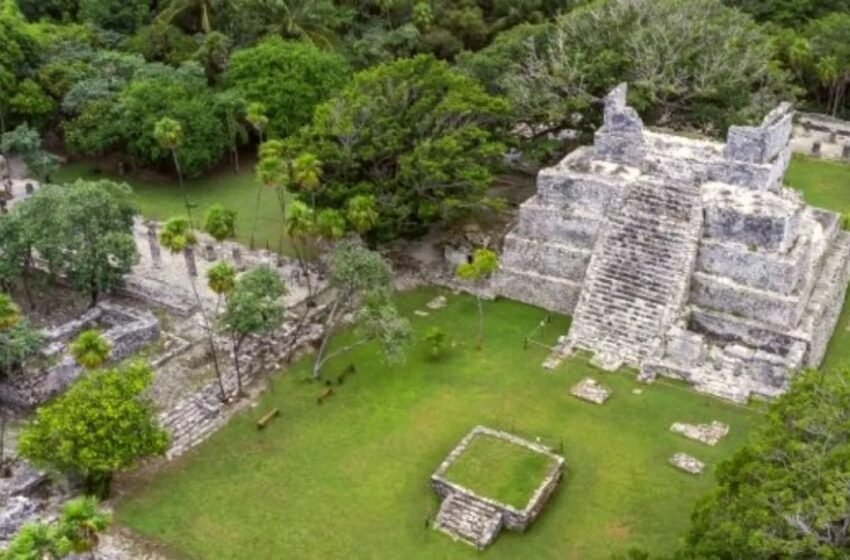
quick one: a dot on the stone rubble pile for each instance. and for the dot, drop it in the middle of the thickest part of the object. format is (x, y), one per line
(709, 434)
(685, 462)
(590, 390)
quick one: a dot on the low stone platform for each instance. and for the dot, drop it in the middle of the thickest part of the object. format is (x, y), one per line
(477, 520)
(685, 462)
(709, 434)
(588, 389)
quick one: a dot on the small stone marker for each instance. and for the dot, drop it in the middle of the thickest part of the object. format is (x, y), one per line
(816, 149)
(438, 302)
(685, 462)
(420, 313)
(709, 434)
(590, 390)
(637, 391)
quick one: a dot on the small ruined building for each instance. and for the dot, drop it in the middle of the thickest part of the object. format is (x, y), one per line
(685, 258)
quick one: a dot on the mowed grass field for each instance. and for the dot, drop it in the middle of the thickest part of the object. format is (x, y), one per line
(350, 478)
(161, 198)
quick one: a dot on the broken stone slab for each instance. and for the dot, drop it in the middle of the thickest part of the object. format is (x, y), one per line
(590, 390)
(685, 462)
(437, 303)
(709, 434)
(17, 511)
(420, 313)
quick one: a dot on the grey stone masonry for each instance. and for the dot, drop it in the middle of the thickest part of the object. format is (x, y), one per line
(682, 257)
(477, 520)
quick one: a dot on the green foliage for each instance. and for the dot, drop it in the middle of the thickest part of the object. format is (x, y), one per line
(122, 17)
(82, 231)
(75, 532)
(437, 341)
(426, 151)
(790, 13)
(221, 278)
(362, 213)
(90, 349)
(785, 495)
(253, 307)
(220, 222)
(18, 341)
(483, 264)
(168, 133)
(290, 78)
(162, 43)
(177, 234)
(689, 63)
(170, 96)
(102, 424)
(26, 142)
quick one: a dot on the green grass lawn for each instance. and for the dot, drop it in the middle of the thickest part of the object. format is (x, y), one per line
(825, 184)
(161, 199)
(500, 470)
(350, 478)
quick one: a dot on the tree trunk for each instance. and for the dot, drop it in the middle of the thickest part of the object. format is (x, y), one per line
(183, 187)
(236, 158)
(237, 347)
(189, 257)
(329, 329)
(480, 323)
(210, 339)
(98, 484)
(2, 441)
(256, 216)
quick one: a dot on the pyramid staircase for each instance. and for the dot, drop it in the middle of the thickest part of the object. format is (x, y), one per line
(638, 278)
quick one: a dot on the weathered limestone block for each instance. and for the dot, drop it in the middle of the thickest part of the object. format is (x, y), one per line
(547, 258)
(721, 294)
(727, 328)
(776, 272)
(685, 347)
(556, 223)
(621, 137)
(590, 390)
(709, 434)
(685, 462)
(761, 220)
(549, 292)
(761, 144)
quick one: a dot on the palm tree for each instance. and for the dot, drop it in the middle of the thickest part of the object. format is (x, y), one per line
(307, 174)
(81, 524)
(484, 263)
(169, 134)
(90, 349)
(273, 172)
(177, 236)
(201, 8)
(312, 20)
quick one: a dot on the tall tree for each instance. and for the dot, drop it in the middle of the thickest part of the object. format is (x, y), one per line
(253, 307)
(416, 135)
(482, 266)
(289, 77)
(177, 236)
(102, 424)
(786, 494)
(359, 275)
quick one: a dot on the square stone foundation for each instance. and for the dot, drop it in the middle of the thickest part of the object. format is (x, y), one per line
(476, 519)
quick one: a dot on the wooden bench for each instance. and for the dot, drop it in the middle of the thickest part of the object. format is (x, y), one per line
(263, 422)
(327, 393)
(350, 370)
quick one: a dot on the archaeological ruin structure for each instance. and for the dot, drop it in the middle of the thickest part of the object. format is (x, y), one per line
(682, 257)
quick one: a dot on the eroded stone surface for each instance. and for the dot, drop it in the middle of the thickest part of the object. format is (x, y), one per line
(682, 257)
(685, 462)
(709, 434)
(437, 303)
(477, 520)
(590, 390)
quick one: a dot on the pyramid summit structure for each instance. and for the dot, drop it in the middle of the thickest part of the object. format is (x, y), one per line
(682, 257)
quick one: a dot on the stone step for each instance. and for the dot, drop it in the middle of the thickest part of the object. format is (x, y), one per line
(471, 520)
(637, 278)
